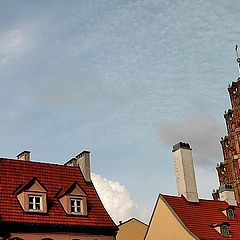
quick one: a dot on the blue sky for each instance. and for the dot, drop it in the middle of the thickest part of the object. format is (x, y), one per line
(123, 79)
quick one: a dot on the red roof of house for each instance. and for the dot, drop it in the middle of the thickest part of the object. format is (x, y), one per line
(200, 218)
(53, 177)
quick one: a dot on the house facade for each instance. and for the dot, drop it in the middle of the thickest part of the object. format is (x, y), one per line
(44, 201)
(131, 229)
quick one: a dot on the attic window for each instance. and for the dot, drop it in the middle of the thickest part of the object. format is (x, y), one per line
(230, 213)
(34, 202)
(224, 230)
(32, 196)
(74, 200)
(76, 205)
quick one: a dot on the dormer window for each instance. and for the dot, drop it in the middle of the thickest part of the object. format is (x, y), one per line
(74, 200)
(76, 205)
(32, 196)
(224, 230)
(34, 202)
(230, 213)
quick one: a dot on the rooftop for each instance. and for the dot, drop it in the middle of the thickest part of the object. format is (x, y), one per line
(201, 217)
(55, 178)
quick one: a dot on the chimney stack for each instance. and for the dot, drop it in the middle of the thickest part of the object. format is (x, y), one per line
(82, 160)
(24, 156)
(185, 175)
(226, 193)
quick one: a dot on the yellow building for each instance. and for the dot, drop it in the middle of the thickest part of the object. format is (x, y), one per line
(186, 217)
(176, 218)
(132, 229)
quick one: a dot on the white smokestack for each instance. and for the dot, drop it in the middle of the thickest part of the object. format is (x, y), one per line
(185, 175)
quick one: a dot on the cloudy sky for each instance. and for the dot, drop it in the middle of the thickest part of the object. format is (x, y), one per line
(124, 79)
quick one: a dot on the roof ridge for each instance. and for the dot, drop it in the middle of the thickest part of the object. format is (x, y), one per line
(34, 162)
(200, 199)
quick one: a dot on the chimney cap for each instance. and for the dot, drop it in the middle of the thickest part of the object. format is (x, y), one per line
(181, 145)
(22, 153)
(82, 153)
(225, 187)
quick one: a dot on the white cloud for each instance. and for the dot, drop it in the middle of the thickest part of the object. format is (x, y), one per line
(115, 198)
(12, 44)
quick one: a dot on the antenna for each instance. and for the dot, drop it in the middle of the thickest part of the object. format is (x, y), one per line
(238, 59)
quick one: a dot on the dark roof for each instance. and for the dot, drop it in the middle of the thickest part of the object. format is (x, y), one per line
(132, 219)
(14, 174)
(200, 218)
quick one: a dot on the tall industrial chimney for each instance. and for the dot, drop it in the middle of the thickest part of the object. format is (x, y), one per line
(185, 175)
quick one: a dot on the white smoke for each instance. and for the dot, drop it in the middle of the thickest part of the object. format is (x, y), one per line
(202, 132)
(115, 198)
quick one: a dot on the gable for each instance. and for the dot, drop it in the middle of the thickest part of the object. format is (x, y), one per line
(36, 187)
(132, 229)
(77, 190)
(162, 223)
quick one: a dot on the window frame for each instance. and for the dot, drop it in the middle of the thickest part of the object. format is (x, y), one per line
(36, 206)
(230, 213)
(75, 206)
(224, 230)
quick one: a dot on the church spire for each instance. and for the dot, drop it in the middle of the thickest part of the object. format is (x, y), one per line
(238, 60)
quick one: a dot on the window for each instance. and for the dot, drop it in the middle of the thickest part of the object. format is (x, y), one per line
(76, 205)
(224, 230)
(74, 200)
(34, 202)
(230, 213)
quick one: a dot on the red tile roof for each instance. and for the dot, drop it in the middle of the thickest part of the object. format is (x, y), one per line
(200, 217)
(54, 177)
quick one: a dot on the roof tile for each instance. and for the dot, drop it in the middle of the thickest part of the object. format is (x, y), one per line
(53, 177)
(201, 217)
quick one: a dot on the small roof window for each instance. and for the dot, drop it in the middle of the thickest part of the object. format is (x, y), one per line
(224, 230)
(230, 213)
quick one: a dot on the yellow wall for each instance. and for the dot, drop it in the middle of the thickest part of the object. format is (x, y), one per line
(164, 225)
(132, 230)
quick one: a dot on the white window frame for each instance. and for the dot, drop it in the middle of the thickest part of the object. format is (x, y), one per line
(35, 203)
(74, 207)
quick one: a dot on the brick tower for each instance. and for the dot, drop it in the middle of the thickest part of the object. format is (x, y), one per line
(229, 170)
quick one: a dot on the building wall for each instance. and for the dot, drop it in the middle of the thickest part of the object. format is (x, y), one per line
(59, 236)
(164, 225)
(132, 230)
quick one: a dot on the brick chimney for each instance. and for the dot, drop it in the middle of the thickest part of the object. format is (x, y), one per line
(82, 160)
(24, 156)
(185, 175)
